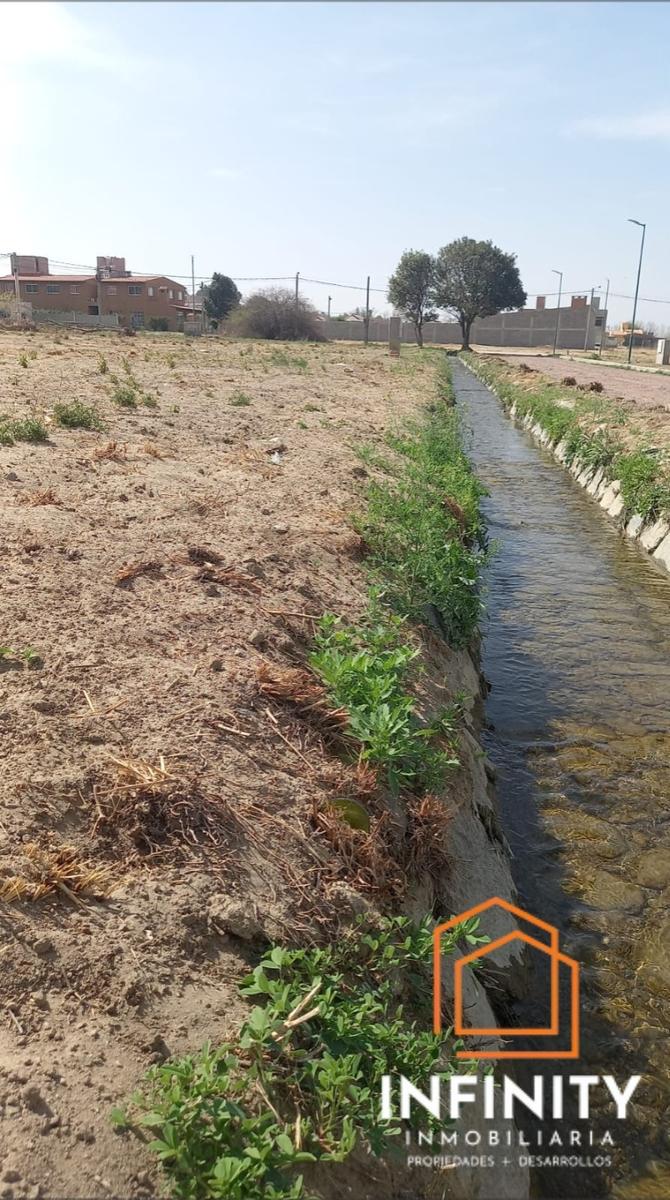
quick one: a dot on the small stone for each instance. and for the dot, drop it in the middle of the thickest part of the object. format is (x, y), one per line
(39, 1000)
(216, 664)
(211, 590)
(12, 477)
(276, 446)
(34, 1100)
(256, 637)
(236, 916)
(11, 1175)
(654, 869)
(44, 946)
(280, 527)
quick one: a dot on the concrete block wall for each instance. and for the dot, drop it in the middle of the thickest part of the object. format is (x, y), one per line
(530, 327)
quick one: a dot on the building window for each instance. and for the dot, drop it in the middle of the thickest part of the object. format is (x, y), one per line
(111, 291)
(74, 291)
(137, 320)
(52, 288)
(134, 289)
(150, 291)
(32, 287)
(171, 294)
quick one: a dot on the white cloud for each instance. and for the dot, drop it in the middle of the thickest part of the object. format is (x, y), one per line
(647, 126)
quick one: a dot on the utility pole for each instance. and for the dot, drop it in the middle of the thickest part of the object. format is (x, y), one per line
(17, 287)
(643, 227)
(589, 315)
(297, 288)
(367, 311)
(558, 307)
(193, 289)
(603, 333)
(329, 300)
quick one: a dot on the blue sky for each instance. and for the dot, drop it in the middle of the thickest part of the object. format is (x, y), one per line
(327, 138)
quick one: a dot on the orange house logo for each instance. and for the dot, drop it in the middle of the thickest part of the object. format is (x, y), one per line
(544, 939)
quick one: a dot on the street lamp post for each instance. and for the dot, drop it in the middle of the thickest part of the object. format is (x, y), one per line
(643, 227)
(558, 307)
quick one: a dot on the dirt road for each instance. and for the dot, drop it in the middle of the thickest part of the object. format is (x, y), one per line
(642, 388)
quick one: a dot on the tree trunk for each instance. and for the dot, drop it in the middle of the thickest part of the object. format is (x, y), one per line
(466, 326)
(418, 330)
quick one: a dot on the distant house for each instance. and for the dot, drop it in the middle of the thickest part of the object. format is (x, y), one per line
(139, 301)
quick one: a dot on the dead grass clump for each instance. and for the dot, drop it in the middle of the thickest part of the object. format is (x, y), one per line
(428, 837)
(569, 381)
(148, 809)
(152, 450)
(596, 386)
(202, 555)
(56, 867)
(112, 451)
(298, 688)
(369, 859)
(229, 577)
(130, 571)
(33, 499)
(526, 370)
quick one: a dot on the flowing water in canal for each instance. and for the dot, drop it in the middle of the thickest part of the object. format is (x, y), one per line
(577, 650)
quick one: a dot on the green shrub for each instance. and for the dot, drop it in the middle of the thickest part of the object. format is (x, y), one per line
(125, 395)
(239, 400)
(26, 429)
(158, 324)
(77, 416)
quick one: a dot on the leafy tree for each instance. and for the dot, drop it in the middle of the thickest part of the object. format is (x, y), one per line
(220, 297)
(476, 279)
(411, 289)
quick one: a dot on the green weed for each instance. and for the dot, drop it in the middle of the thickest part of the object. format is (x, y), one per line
(102, 365)
(124, 395)
(26, 429)
(423, 529)
(23, 360)
(645, 485)
(366, 669)
(239, 400)
(280, 358)
(328, 1023)
(77, 416)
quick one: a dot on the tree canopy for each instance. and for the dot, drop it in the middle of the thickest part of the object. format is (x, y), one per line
(411, 289)
(476, 279)
(220, 297)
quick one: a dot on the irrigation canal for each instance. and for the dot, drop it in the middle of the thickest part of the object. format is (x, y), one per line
(577, 650)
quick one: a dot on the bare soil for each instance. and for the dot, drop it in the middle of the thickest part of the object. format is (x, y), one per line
(643, 389)
(156, 804)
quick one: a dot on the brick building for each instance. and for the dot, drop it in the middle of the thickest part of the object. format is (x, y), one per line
(136, 299)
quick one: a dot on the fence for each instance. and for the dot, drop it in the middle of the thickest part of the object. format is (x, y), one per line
(53, 316)
(578, 329)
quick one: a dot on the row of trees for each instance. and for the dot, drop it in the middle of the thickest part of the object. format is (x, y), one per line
(467, 279)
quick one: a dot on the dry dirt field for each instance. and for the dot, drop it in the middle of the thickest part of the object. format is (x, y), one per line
(157, 803)
(643, 389)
